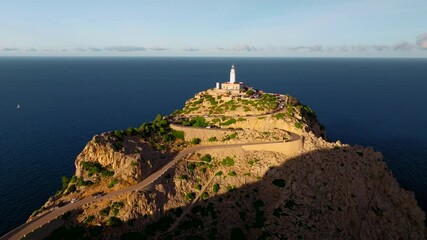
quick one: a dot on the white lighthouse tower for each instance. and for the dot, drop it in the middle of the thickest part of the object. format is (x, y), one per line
(232, 75)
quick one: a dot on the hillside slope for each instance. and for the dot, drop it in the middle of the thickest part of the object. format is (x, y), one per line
(324, 190)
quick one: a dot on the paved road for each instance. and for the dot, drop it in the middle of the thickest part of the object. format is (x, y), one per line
(27, 228)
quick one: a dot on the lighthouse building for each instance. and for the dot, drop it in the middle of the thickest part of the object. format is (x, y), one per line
(232, 86)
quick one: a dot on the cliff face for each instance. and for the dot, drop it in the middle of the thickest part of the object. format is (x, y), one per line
(100, 150)
(329, 191)
(324, 190)
(133, 161)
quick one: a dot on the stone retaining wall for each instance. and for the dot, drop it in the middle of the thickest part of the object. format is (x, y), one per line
(292, 147)
(203, 133)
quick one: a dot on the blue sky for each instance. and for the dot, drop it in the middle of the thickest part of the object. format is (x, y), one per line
(317, 28)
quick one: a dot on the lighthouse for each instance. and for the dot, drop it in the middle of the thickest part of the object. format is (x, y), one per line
(231, 87)
(232, 75)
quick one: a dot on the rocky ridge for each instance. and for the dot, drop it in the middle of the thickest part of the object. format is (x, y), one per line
(328, 191)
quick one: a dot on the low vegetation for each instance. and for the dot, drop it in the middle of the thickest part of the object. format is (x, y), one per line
(95, 168)
(113, 183)
(228, 161)
(196, 141)
(229, 137)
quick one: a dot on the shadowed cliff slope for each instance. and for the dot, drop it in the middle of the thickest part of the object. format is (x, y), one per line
(342, 193)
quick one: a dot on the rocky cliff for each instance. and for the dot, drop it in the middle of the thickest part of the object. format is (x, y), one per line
(327, 190)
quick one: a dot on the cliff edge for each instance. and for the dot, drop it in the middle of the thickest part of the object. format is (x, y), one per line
(237, 179)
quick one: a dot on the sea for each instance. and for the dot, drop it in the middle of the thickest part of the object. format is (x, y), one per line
(64, 101)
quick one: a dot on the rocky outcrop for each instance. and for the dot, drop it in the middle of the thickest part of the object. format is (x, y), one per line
(100, 150)
(322, 190)
(132, 162)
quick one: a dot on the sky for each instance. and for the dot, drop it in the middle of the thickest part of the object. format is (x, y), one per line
(264, 28)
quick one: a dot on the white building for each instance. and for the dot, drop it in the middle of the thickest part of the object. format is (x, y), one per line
(232, 85)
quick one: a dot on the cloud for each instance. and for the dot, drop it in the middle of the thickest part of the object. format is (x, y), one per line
(403, 46)
(360, 48)
(10, 49)
(31, 50)
(245, 47)
(381, 48)
(241, 48)
(315, 48)
(80, 49)
(94, 49)
(190, 49)
(158, 49)
(126, 49)
(422, 41)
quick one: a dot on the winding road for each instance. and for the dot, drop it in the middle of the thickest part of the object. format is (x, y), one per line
(29, 227)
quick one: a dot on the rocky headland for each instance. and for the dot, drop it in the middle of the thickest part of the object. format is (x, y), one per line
(247, 177)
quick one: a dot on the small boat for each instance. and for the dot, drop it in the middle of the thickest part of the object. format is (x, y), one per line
(18, 106)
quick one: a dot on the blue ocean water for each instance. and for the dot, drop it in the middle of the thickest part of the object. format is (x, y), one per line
(65, 101)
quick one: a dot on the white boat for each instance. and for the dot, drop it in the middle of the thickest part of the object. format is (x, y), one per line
(18, 106)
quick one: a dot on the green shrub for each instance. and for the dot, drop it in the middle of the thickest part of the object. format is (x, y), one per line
(177, 112)
(65, 182)
(131, 131)
(105, 211)
(204, 195)
(307, 112)
(232, 173)
(228, 161)
(113, 182)
(279, 116)
(107, 173)
(216, 120)
(96, 168)
(198, 187)
(212, 139)
(40, 210)
(118, 205)
(231, 188)
(207, 158)
(178, 134)
(114, 222)
(190, 196)
(253, 162)
(219, 173)
(191, 166)
(118, 134)
(229, 137)
(73, 179)
(82, 182)
(71, 188)
(159, 127)
(228, 122)
(89, 219)
(215, 187)
(298, 125)
(183, 177)
(115, 211)
(241, 119)
(198, 122)
(196, 141)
